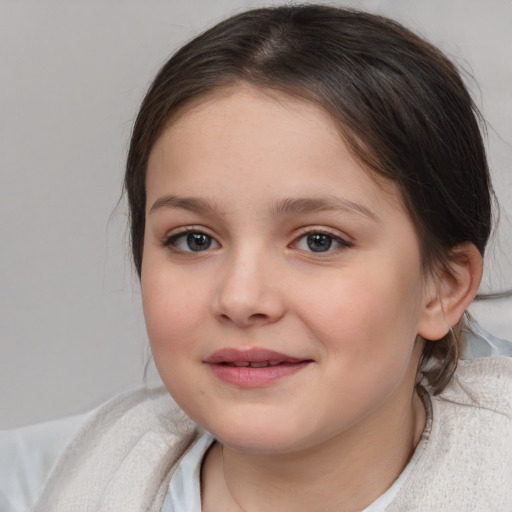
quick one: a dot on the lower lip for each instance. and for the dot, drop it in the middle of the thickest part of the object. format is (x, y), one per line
(249, 377)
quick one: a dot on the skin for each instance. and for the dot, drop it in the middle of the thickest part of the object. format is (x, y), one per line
(354, 312)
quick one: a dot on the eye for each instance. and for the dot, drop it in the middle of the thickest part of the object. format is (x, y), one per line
(320, 242)
(191, 241)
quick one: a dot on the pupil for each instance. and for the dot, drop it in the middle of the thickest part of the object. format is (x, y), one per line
(319, 242)
(198, 241)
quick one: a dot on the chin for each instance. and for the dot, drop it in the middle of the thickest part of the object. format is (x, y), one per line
(261, 437)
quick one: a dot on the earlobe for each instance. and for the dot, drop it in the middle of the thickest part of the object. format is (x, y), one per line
(451, 292)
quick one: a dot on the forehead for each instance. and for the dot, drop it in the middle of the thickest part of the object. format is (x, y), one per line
(241, 133)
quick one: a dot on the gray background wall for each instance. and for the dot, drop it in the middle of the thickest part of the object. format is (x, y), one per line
(72, 75)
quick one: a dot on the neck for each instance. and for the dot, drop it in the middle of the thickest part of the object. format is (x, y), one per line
(345, 473)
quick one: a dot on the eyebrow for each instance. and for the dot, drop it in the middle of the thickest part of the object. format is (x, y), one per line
(287, 206)
(193, 204)
(322, 203)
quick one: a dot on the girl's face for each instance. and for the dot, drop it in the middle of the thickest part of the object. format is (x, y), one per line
(282, 284)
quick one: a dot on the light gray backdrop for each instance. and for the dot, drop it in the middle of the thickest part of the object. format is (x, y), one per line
(71, 76)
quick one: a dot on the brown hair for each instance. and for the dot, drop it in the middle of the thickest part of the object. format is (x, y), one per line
(400, 104)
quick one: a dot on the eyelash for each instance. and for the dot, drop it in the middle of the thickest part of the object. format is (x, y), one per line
(170, 241)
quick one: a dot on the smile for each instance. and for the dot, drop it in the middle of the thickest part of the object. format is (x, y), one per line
(253, 367)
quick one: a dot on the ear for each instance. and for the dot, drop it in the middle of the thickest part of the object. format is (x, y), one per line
(450, 292)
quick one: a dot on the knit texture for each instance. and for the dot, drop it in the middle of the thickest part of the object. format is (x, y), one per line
(466, 465)
(122, 460)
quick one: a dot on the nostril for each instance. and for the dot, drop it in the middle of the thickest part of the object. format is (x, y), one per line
(258, 316)
(253, 319)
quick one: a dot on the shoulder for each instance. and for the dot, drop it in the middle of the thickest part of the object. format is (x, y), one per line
(123, 456)
(466, 464)
(483, 384)
(472, 417)
(28, 455)
(37, 460)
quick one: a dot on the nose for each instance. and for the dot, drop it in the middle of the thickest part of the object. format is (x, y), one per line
(249, 291)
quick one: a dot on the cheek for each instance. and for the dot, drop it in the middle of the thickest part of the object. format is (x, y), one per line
(368, 316)
(172, 308)
(172, 313)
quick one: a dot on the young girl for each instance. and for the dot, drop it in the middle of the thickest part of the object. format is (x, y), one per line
(310, 204)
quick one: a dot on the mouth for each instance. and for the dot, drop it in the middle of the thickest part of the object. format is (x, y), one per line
(254, 367)
(255, 364)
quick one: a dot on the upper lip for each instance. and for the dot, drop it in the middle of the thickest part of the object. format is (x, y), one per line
(250, 355)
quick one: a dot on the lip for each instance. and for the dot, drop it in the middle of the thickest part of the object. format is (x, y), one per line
(234, 366)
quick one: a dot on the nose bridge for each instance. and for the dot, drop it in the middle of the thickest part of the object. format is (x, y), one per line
(248, 291)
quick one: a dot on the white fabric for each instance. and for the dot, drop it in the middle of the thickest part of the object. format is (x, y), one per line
(479, 343)
(27, 457)
(123, 457)
(466, 466)
(184, 493)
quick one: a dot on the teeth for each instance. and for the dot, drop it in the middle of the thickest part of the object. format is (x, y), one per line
(261, 364)
(258, 364)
